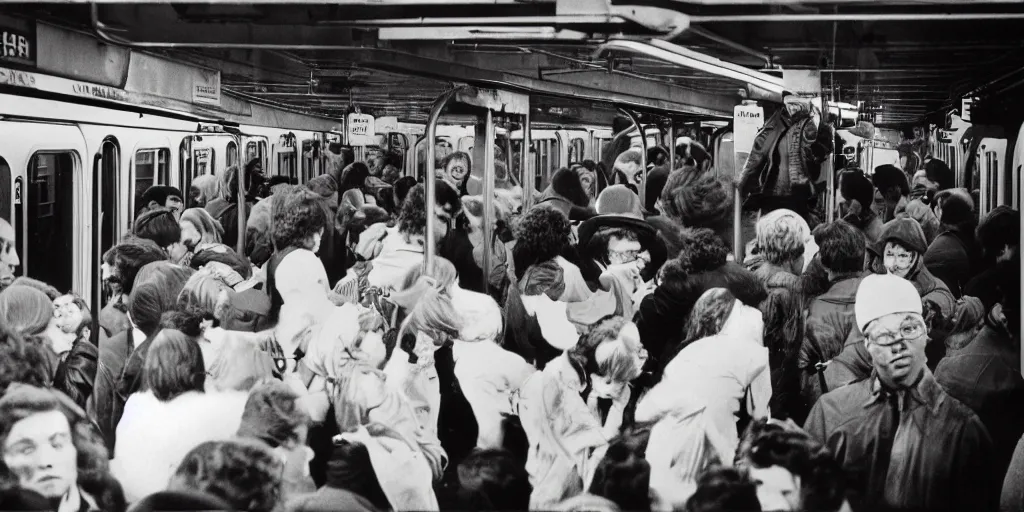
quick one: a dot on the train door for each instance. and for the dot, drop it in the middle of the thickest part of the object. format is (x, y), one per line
(1016, 167)
(47, 201)
(991, 159)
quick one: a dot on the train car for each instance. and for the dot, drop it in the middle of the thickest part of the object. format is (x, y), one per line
(58, 133)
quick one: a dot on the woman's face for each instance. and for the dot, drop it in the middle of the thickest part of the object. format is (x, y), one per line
(190, 235)
(314, 242)
(40, 451)
(622, 250)
(67, 314)
(898, 260)
(587, 180)
(457, 170)
(372, 345)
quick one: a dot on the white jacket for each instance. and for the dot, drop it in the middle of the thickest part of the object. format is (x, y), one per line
(724, 372)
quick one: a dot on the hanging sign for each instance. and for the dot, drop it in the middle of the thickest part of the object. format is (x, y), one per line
(965, 108)
(17, 190)
(747, 120)
(206, 87)
(386, 124)
(360, 130)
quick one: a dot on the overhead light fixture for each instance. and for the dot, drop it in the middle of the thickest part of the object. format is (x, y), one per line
(478, 33)
(684, 57)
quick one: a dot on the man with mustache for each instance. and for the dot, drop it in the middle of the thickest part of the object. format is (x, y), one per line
(903, 442)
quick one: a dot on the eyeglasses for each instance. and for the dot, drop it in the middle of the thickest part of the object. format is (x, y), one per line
(907, 332)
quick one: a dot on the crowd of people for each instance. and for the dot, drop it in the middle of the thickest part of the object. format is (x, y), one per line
(611, 353)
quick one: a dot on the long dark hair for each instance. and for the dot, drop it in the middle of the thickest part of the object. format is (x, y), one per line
(353, 176)
(567, 184)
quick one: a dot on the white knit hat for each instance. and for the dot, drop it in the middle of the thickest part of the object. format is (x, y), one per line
(883, 294)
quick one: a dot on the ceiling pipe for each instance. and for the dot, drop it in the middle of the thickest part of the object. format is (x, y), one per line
(804, 18)
(711, 36)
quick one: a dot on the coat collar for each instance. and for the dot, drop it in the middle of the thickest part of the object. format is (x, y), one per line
(926, 392)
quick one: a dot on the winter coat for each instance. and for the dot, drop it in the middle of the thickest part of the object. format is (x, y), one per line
(488, 374)
(949, 258)
(76, 373)
(916, 209)
(830, 322)
(153, 435)
(106, 404)
(357, 390)
(782, 312)
(114, 317)
(986, 377)
(728, 371)
(808, 147)
(563, 435)
(940, 457)
(1012, 497)
(661, 317)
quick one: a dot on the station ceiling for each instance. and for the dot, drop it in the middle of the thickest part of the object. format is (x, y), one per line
(907, 61)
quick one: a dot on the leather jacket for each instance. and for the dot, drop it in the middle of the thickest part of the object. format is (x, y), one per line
(760, 172)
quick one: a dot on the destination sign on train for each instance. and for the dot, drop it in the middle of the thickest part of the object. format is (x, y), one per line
(17, 42)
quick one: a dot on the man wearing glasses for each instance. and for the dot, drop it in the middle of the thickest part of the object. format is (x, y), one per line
(903, 442)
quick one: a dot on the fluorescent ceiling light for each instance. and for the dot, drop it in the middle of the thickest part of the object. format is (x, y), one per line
(476, 33)
(684, 57)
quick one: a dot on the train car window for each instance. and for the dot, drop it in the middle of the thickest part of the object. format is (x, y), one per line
(5, 190)
(576, 151)
(203, 161)
(50, 210)
(232, 154)
(111, 154)
(151, 168)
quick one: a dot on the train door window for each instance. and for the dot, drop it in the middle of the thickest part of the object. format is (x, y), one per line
(232, 155)
(185, 167)
(256, 149)
(5, 190)
(151, 168)
(286, 163)
(309, 160)
(49, 236)
(576, 151)
(203, 161)
(111, 155)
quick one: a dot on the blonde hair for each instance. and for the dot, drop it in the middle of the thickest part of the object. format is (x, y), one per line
(480, 315)
(443, 272)
(202, 292)
(209, 228)
(433, 315)
(781, 236)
